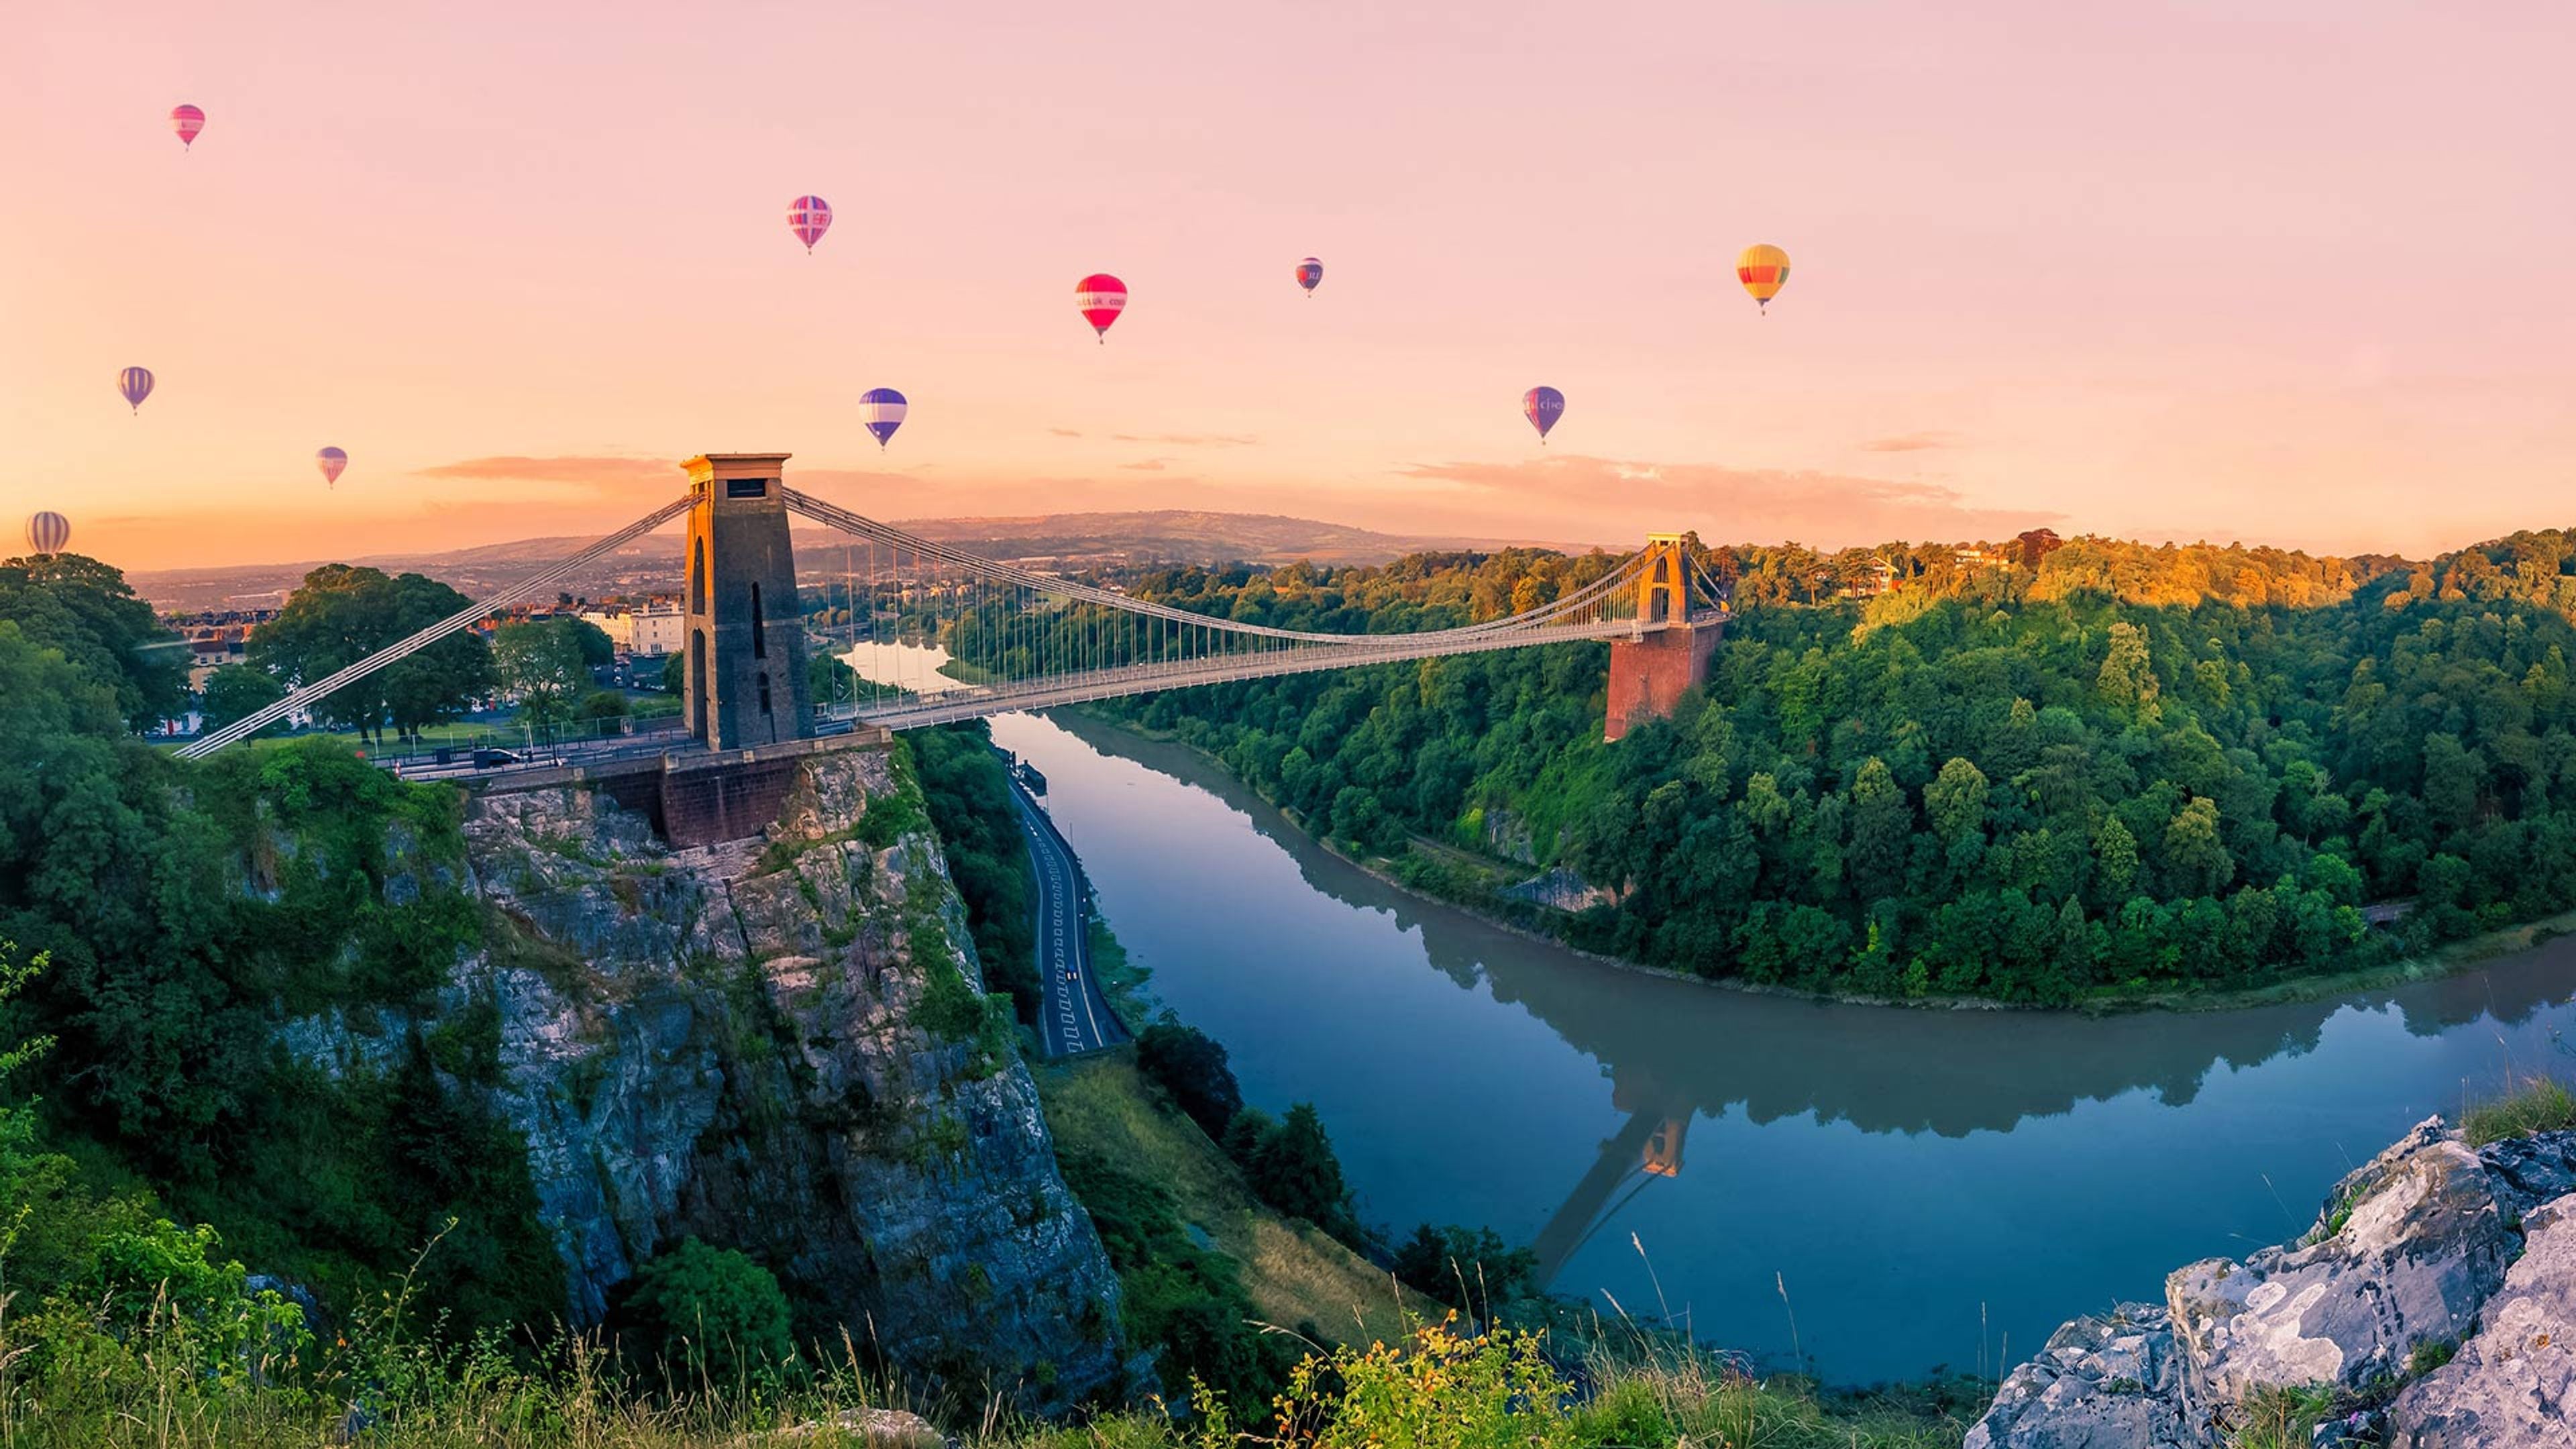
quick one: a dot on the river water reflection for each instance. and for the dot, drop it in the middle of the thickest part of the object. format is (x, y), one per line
(1903, 1172)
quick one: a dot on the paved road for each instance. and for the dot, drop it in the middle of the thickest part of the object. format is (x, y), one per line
(1075, 1018)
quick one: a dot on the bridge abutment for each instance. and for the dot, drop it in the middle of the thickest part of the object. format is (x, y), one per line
(1648, 676)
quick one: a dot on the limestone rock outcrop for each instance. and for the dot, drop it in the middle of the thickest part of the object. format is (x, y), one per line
(2515, 1381)
(778, 1045)
(2433, 1302)
(2406, 1249)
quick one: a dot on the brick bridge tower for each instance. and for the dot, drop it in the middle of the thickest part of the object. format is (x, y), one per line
(1649, 674)
(745, 634)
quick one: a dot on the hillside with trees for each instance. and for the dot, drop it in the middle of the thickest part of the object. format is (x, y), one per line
(2040, 771)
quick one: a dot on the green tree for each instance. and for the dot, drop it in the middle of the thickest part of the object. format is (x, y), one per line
(84, 609)
(1191, 1065)
(711, 1317)
(238, 690)
(1882, 827)
(2127, 678)
(341, 614)
(544, 665)
(1956, 799)
(2115, 860)
(2194, 851)
(1295, 1170)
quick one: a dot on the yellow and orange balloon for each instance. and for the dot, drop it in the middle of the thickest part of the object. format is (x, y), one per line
(1764, 270)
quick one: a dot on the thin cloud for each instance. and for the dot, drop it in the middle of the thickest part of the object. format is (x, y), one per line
(1610, 494)
(1066, 432)
(1146, 465)
(591, 470)
(1189, 440)
(1913, 442)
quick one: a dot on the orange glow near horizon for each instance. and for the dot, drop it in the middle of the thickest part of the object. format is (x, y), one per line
(2165, 271)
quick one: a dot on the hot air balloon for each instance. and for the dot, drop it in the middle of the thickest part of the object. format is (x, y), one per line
(881, 409)
(1309, 272)
(187, 121)
(809, 217)
(1544, 405)
(1101, 297)
(136, 384)
(47, 532)
(330, 461)
(1764, 270)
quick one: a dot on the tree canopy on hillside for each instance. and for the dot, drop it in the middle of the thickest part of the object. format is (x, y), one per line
(2113, 767)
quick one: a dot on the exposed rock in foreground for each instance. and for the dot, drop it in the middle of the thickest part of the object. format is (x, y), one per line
(2435, 1300)
(782, 1046)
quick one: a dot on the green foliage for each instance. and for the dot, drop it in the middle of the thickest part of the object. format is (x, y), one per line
(2533, 1106)
(1176, 1297)
(188, 909)
(1191, 1065)
(601, 704)
(1291, 1165)
(707, 1317)
(236, 690)
(2087, 770)
(545, 665)
(2431, 1354)
(965, 792)
(341, 614)
(2275, 1416)
(1441, 1390)
(1469, 1265)
(84, 610)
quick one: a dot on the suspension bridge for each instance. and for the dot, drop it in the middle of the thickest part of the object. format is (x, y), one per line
(1012, 638)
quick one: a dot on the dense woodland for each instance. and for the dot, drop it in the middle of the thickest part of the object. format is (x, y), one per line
(2088, 767)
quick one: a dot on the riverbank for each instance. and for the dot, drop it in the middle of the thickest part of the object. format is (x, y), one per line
(1471, 883)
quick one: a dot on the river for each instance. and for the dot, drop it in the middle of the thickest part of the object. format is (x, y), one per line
(1929, 1186)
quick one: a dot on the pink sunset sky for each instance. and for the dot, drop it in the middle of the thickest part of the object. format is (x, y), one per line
(2297, 273)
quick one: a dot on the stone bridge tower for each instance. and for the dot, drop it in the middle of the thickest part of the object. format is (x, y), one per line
(1648, 675)
(745, 634)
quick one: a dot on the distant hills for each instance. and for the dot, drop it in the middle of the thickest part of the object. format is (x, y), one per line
(1170, 535)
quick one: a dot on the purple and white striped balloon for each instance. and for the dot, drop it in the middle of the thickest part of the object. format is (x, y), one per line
(48, 532)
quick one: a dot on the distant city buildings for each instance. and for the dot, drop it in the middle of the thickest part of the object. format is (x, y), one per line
(649, 632)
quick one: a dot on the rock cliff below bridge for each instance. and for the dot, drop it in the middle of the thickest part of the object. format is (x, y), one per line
(2432, 1304)
(779, 1045)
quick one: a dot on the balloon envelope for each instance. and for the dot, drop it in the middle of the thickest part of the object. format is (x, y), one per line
(48, 532)
(809, 217)
(331, 461)
(1309, 272)
(136, 384)
(1101, 297)
(1543, 406)
(187, 121)
(881, 409)
(1764, 270)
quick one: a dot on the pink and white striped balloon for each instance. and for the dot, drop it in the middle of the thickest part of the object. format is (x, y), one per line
(809, 217)
(187, 121)
(48, 532)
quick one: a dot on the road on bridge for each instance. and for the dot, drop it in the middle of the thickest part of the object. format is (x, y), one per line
(1075, 1017)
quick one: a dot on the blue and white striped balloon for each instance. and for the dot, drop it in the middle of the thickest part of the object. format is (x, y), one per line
(881, 408)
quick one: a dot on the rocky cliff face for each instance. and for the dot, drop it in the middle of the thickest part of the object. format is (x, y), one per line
(2432, 1304)
(779, 1045)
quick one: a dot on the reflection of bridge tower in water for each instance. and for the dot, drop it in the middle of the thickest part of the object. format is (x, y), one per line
(1646, 1147)
(1650, 673)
